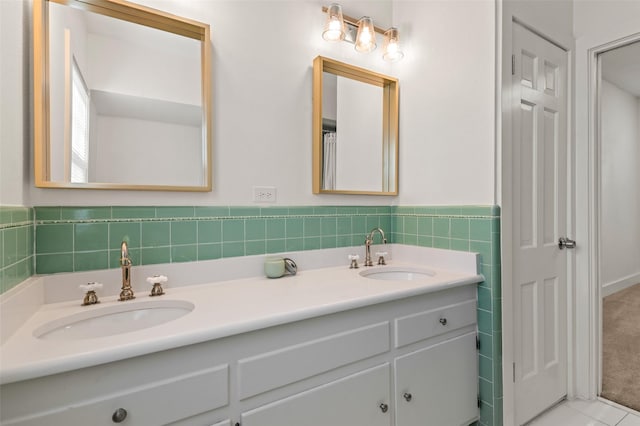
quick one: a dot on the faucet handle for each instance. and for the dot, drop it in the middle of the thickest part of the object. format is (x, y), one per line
(157, 281)
(92, 286)
(90, 298)
(354, 261)
(381, 255)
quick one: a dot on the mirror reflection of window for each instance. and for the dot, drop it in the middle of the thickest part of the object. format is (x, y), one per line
(79, 127)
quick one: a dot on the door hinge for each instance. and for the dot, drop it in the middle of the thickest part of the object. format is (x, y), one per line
(514, 372)
(513, 64)
(479, 402)
(478, 342)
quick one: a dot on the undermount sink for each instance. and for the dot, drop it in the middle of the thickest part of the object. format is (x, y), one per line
(123, 317)
(397, 273)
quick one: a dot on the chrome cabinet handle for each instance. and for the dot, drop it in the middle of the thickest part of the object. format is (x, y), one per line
(119, 415)
(566, 243)
(443, 321)
(407, 396)
(384, 407)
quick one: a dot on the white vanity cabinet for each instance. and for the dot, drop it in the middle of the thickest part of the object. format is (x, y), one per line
(435, 383)
(405, 362)
(425, 369)
(361, 399)
(150, 390)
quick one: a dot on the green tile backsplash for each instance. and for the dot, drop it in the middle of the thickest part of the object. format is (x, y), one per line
(83, 238)
(16, 246)
(88, 238)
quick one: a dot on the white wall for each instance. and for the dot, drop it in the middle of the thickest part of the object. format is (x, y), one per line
(144, 152)
(14, 103)
(262, 101)
(160, 71)
(447, 101)
(358, 147)
(620, 183)
(596, 23)
(262, 86)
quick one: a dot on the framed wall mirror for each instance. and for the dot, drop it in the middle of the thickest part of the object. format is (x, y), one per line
(355, 130)
(122, 97)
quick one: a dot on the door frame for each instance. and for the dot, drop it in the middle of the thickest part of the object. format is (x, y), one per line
(594, 342)
(507, 13)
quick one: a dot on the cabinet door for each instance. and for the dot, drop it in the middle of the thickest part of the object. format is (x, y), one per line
(437, 385)
(361, 399)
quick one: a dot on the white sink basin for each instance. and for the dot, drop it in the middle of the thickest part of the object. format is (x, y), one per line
(398, 273)
(118, 318)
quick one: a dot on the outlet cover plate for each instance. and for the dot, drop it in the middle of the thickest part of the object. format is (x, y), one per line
(264, 194)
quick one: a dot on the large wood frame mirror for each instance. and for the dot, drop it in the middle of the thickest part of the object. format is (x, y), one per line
(122, 97)
(355, 130)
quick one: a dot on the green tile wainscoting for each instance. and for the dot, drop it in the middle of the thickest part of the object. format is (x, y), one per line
(88, 238)
(71, 239)
(16, 246)
(474, 229)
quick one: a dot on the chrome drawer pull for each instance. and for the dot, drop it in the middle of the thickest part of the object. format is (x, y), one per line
(119, 415)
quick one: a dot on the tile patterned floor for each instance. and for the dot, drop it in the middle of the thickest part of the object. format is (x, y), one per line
(588, 413)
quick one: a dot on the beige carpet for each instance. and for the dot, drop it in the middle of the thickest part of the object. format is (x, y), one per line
(621, 347)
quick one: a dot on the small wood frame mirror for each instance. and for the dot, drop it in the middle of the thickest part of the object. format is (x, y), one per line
(355, 130)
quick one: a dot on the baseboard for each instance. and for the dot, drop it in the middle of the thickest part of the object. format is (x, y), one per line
(616, 286)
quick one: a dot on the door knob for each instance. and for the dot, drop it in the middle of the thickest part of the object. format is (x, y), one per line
(566, 243)
(407, 396)
(384, 407)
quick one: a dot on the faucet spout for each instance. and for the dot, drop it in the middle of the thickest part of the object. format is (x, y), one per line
(367, 244)
(126, 292)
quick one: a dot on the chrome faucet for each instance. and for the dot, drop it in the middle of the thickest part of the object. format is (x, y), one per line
(367, 245)
(125, 264)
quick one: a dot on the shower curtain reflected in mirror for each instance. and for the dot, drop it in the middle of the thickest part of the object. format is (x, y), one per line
(329, 160)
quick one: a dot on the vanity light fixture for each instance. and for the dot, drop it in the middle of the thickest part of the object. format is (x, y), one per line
(360, 32)
(366, 38)
(391, 48)
(334, 29)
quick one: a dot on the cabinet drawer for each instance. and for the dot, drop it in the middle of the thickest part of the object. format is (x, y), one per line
(354, 400)
(288, 365)
(423, 325)
(156, 403)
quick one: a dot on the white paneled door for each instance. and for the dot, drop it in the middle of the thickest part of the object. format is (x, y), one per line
(539, 221)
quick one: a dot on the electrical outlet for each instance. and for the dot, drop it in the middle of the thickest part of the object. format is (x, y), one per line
(264, 194)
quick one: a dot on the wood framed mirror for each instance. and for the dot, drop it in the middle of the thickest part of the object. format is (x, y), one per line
(122, 97)
(355, 130)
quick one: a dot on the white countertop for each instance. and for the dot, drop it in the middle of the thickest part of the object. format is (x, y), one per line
(221, 309)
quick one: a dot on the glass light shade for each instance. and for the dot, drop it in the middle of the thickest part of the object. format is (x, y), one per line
(391, 47)
(366, 38)
(334, 27)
